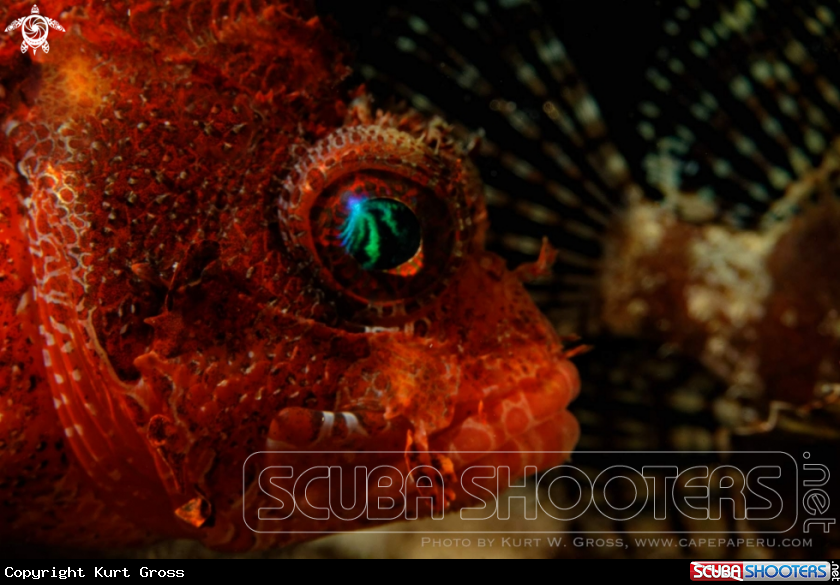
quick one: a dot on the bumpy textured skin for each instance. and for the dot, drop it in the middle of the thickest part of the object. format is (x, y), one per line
(159, 324)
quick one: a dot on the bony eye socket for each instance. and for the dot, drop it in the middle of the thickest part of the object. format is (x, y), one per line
(381, 219)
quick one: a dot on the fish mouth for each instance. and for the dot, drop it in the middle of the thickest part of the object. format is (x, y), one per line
(528, 426)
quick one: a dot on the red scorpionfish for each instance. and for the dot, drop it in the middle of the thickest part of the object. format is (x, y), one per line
(215, 255)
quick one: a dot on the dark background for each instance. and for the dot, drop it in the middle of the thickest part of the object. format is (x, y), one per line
(610, 42)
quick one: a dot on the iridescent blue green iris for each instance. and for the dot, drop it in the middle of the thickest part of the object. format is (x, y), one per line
(380, 234)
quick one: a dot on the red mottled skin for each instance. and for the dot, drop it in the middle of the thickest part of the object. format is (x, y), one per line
(161, 316)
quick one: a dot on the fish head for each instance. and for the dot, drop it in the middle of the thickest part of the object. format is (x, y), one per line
(389, 219)
(373, 322)
(234, 257)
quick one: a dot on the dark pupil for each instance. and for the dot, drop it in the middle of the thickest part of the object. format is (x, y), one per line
(380, 233)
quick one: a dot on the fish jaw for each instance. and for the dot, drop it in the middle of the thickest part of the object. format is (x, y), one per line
(489, 381)
(490, 385)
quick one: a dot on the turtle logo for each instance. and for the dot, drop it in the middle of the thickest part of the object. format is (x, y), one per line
(35, 30)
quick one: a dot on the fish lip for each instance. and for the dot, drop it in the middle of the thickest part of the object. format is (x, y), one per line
(546, 456)
(549, 402)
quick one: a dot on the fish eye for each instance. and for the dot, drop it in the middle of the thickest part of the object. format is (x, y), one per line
(379, 233)
(380, 219)
(369, 228)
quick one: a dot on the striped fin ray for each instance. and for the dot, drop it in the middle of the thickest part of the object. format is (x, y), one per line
(544, 154)
(743, 108)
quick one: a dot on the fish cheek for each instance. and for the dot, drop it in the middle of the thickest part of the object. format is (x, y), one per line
(121, 324)
(212, 308)
(404, 377)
